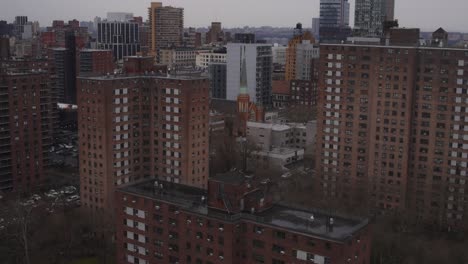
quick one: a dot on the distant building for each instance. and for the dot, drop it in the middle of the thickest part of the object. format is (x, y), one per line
(29, 48)
(6, 30)
(18, 25)
(63, 68)
(4, 48)
(316, 27)
(246, 109)
(166, 26)
(246, 38)
(370, 16)
(334, 20)
(95, 62)
(278, 157)
(306, 53)
(70, 68)
(119, 17)
(291, 53)
(218, 79)
(190, 38)
(439, 38)
(123, 38)
(55, 36)
(304, 92)
(215, 34)
(145, 37)
(281, 92)
(205, 58)
(259, 67)
(291, 135)
(177, 58)
(279, 54)
(403, 36)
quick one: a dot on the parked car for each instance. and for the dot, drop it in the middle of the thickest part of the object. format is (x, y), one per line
(36, 197)
(72, 198)
(69, 190)
(51, 194)
(28, 203)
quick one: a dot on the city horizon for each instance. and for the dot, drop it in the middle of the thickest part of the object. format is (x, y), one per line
(404, 12)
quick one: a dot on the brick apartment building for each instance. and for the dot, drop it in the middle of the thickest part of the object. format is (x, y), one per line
(303, 92)
(392, 128)
(281, 94)
(166, 25)
(234, 221)
(26, 125)
(133, 127)
(93, 61)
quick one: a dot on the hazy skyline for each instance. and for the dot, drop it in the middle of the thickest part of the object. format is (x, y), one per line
(431, 14)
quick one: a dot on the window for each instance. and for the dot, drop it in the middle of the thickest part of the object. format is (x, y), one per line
(279, 234)
(277, 261)
(258, 258)
(258, 229)
(277, 249)
(258, 244)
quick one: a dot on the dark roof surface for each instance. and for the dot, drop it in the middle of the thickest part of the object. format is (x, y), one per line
(278, 216)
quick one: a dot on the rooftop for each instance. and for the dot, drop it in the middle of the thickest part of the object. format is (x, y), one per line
(186, 197)
(232, 177)
(274, 127)
(280, 152)
(148, 75)
(312, 223)
(94, 50)
(392, 46)
(299, 220)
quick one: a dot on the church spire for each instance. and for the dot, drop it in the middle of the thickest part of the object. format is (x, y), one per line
(243, 73)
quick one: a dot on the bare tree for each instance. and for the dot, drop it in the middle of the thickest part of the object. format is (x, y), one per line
(300, 113)
(245, 152)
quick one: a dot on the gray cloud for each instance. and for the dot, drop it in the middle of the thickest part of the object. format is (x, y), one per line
(426, 14)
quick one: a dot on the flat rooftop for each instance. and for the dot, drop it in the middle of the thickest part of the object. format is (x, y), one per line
(94, 50)
(148, 76)
(232, 177)
(186, 197)
(274, 127)
(284, 217)
(392, 46)
(281, 152)
(298, 220)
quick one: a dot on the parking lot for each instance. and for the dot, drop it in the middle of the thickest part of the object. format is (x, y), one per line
(50, 202)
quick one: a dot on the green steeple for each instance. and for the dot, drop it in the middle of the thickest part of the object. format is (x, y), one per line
(243, 76)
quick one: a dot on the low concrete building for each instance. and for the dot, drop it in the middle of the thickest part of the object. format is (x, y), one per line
(292, 135)
(278, 157)
(176, 58)
(205, 58)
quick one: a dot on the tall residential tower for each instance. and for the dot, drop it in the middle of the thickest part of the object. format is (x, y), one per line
(166, 27)
(392, 129)
(334, 20)
(141, 126)
(370, 16)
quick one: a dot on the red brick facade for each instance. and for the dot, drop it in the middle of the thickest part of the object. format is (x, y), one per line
(175, 224)
(137, 127)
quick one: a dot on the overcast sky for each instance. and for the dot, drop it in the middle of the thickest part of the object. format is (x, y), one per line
(425, 14)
